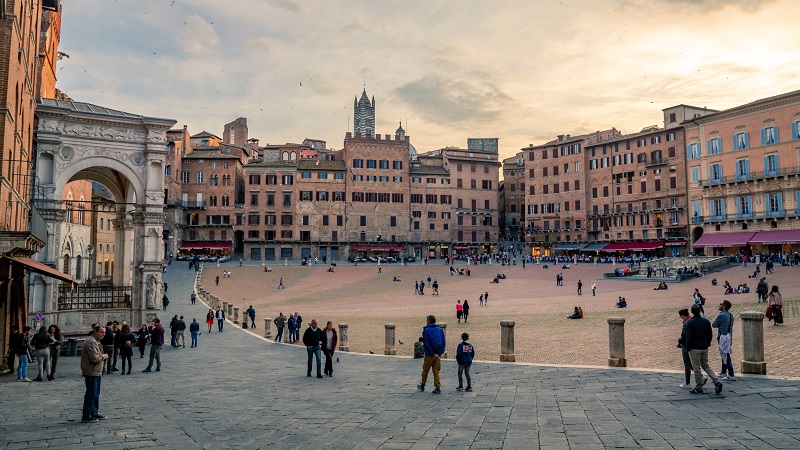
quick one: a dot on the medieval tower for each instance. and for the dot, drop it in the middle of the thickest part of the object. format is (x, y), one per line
(364, 116)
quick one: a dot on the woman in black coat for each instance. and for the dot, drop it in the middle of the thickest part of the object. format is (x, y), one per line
(465, 310)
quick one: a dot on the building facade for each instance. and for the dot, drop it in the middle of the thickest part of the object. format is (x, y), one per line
(364, 116)
(512, 198)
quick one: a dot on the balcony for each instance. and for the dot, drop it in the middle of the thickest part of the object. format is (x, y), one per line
(750, 176)
(189, 205)
(655, 162)
(738, 217)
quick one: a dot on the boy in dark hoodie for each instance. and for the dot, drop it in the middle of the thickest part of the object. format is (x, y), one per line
(464, 356)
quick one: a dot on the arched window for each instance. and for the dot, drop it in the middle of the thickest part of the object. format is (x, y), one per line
(78, 267)
(292, 156)
(65, 267)
(285, 156)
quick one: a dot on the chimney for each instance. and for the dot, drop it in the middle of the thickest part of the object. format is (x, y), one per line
(560, 138)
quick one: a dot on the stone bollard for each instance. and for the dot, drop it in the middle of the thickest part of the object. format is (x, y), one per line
(236, 315)
(753, 342)
(267, 331)
(616, 342)
(443, 326)
(344, 346)
(230, 310)
(225, 309)
(507, 341)
(390, 347)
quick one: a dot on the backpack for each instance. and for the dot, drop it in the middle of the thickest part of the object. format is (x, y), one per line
(702, 300)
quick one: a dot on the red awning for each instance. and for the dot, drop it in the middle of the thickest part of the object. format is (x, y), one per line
(379, 248)
(36, 266)
(633, 246)
(738, 239)
(205, 246)
(776, 237)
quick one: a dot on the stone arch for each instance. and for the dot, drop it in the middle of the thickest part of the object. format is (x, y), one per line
(117, 177)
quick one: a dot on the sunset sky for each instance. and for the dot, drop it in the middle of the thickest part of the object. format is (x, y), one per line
(522, 71)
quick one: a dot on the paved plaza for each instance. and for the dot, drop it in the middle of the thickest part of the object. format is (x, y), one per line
(238, 391)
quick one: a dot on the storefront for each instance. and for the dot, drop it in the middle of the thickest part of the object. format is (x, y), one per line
(776, 241)
(723, 244)
(674, 248)
(568, 248)
(384, 251)
(205, 248)
(647, 248)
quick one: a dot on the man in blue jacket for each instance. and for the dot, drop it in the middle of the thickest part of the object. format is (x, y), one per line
(434, 344)
(698, 339)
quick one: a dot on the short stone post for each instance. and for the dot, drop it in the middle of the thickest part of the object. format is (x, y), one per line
(443, 326)
(753, 342)
(225, 309)
(267, 330)
(507, 341)
(344, 346)
(616, 342)
(236, 315)
(390, 348)
(230, 309)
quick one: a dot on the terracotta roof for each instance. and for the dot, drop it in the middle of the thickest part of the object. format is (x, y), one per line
(428, 170)
(203, 134)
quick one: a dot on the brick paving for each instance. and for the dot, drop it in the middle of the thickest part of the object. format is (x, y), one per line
(238, 391)
(366, 301)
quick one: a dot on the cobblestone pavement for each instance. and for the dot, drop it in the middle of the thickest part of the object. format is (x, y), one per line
(367, 300)
(238, 391)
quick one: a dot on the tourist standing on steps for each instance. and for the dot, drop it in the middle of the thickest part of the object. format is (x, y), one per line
(465, 310)
(724, 325)
(698, 339)
(127, 342)
(279, 322)
(156, 342)
(312, 339)
(220, 319)
(329, 340)
(687, 362)
(41, 344)
(251, 313)
(92, 359)
(210, 319)
(433, 342)
(776, 305)
(291, 324)
(55, 350)
(580, 287)
(194, 328)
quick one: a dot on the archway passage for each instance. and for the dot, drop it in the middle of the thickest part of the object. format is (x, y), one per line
(83, 149)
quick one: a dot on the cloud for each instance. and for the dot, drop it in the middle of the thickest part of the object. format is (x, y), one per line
(266, 46)
(707, 5)
(291, 6)
(197, 36)
(356, 26)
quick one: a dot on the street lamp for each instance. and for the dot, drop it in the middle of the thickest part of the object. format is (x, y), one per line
(90, 250)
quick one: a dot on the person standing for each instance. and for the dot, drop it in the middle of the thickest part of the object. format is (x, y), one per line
(776, 305)
(252, 314)
(422, 287)
(279, 322)
(193, 297)
(465, 310)
(329, 340)
(312, 339)
(435, 286)
(594, 288)
(433, 341)
(210, 319)
(216, 280)
(194, 328)
(459, 310)
(55, 350)
(41, 345)
(141, 340)
(165, 301)
(485, 299)
(220, 319)
(117, 342)
(92, 359)
(291, 325)
(298, 325)
(416, 287)
(22, 352)
(127, 342)
(580, 287)
(699, 300)
(480, 300)
(687, 362)
(173, 331)
(698, 339)
(108, 345)
(724, 325)
(156, 342)
(464, 356)
(13, 344)
(180, 341)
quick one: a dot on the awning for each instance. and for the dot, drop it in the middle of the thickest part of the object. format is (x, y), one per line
(738, 239)
(35, 266)
(633, 246)
(379, 248)
(460, 247)
(570, 246)
(776, 237)
(674, 243)
(205, 246)
(596, 246)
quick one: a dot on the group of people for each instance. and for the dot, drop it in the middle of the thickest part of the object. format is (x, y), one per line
(728, 289)
(498, 277)
(44, 347)
(622, 303)
(294, 323)
(462, 310)
(433, 345)
(577, 313)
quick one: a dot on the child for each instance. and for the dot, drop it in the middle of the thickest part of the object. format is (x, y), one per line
(419, 349)
(464, 355)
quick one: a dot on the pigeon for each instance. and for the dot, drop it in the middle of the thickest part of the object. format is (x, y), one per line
(337, 359)
(401, 342)
(371, 352)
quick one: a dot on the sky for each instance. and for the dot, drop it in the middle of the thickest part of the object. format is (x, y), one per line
(521, 71)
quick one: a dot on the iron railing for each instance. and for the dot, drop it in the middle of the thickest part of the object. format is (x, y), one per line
(94, 297)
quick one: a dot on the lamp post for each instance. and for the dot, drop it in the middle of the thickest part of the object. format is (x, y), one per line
(90, 250)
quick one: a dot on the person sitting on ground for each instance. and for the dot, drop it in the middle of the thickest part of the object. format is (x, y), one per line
(661, 287)
(545, 267)
(622, 303)
(495, 280)
(330, 269)
(714, 281)
(576, 314)
(419, 349)
(728, 288)
(395, 278)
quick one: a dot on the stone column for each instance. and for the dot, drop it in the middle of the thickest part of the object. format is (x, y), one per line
(390, 347)
(443, 326)
(507, 341)
(267, 331)
(616, 342)
(344, 346)
(225, 309)
(753, 342)
(230, 310)
(236, 315)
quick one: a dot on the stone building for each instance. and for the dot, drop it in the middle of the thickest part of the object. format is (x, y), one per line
(512, 197)
(743, 167)
(364, 116)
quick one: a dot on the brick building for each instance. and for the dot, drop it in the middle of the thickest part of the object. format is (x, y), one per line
(512, 197)
(743, 167)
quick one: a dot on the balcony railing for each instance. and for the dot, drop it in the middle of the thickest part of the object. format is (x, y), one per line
(94, 297)
(655, 162)
(761, 215)
(750, 176)
(193, 204)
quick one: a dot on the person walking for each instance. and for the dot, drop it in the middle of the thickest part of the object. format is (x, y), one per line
(416, 287)
(173, 331)
(580, 287)
(465, 310)
(724, 324)
(329, 340)
(687, 362)
(594, 288)
(465, 353)
(55, 349)
(298, 325)
(480, 300)
(761, 290)
(127, 342)
(108, 346)
(165, 301)
(216, 280)
(41, 345)
(251, 313)
(220, 319)
(433, 341)
(776, 305)
(156, 342)
(193, 297)
(312, 339)
(92, 359)
(210, 319)
(280, 284)
(279, 322)
(194, 328)
(459, 310)
(698, 339)
(141, 340)
(699, 300)
(180, 341)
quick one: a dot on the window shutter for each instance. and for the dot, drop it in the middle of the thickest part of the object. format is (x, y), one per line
(708, 146)
(777, 139)
(780, 201)
(735, 146)
(797, 201)
(766, 204)
(795, 131)
(746, 140)
(763, 136)
(766, 165)
(689, 151)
